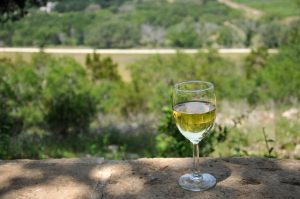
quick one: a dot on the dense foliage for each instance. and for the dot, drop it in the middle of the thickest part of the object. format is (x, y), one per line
(129, 23)
(54, 107)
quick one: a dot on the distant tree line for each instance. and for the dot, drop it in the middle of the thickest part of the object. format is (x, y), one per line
(127, 24)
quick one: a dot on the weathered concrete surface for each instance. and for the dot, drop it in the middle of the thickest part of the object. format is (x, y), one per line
(147, 178)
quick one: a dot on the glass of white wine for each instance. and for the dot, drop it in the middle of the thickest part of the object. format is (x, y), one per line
(194, 112)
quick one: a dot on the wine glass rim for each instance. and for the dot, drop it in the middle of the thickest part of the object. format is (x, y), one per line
(209, 86)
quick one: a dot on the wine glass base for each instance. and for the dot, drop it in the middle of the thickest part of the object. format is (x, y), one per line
(202, 183)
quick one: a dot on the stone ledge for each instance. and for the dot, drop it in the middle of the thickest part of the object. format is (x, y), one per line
(147, 178)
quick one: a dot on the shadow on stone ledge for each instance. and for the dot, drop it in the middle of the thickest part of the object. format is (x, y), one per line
(53, 178)
(147, 178)
(156, 178)
(237, 178)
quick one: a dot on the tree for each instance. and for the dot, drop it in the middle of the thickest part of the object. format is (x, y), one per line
(67, 100)
(9, 125)
(272, 34)
(293, 35)
(102, 68)
(16, 9)
(112, 34)
(152, 35)
(280, 78)
(226, 37)
(256, 61)
(184, 35)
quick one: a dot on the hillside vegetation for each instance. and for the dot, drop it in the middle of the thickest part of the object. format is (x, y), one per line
(53, 106)
(145, 24)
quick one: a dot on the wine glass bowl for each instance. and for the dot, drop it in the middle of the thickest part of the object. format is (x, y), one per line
(194, 112)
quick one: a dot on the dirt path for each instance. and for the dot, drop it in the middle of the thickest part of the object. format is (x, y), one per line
(289, 20)
(121, 51)
(248, 11)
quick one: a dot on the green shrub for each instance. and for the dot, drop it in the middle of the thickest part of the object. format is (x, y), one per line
(272, 34)
(102, 69)
(112, 34)
(20, 94)
(229, 37)
(170, 142)
(68, 102)
(280, 79)
(69, 111)
(184, 35)
(256, 61)
(155, 87)
(6, 93)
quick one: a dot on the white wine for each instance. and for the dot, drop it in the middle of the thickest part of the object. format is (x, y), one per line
(194, 119)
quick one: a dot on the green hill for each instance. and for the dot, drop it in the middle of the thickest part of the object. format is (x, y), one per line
(145, 24)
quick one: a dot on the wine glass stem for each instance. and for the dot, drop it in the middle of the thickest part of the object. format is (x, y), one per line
(196, 169)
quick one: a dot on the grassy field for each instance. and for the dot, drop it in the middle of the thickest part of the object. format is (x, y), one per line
(280, 8)
(123, 60)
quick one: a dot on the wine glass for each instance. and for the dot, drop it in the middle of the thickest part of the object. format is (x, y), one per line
(194, 112)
